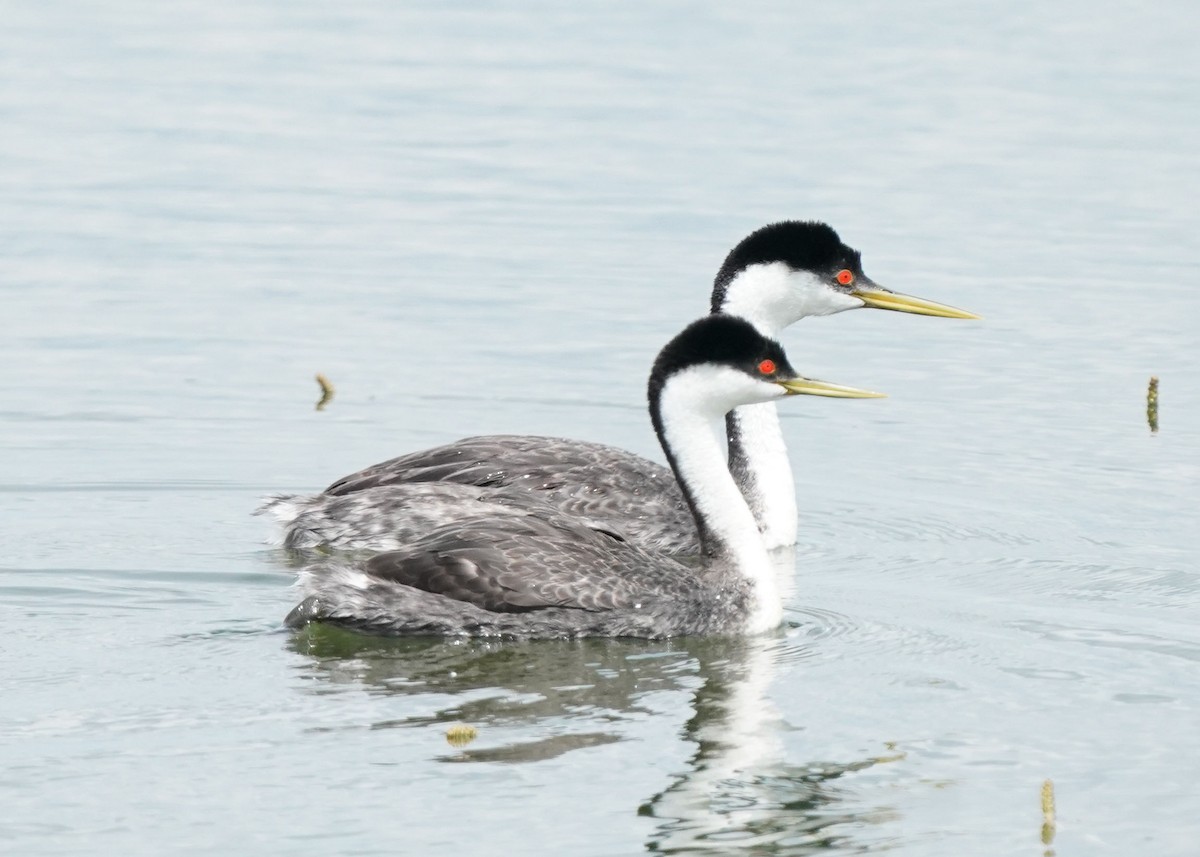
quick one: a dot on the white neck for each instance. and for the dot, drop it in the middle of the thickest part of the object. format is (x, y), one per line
(688, 408)
(771, 297)
(758, 460)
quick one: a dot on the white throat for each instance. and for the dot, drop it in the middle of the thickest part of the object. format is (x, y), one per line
(690, 404)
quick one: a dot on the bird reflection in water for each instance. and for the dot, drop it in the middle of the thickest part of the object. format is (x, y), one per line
(738, 789)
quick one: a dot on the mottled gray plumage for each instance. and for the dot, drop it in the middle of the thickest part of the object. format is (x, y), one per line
(606, 486)
(390, 517)
(526, 577)
(535, 572)
(386, 505)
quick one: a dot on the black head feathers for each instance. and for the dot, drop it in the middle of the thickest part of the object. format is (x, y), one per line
(722, 339)
(800, 244)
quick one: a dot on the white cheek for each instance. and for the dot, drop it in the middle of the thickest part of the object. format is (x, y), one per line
(713, 391)
(755, 392)
(773, 296)
(815, 297)
(764, 296)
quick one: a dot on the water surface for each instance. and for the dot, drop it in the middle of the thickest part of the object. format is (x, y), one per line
(488, 218)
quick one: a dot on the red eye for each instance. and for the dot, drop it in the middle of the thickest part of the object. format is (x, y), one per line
(845, 277)
(767, 367)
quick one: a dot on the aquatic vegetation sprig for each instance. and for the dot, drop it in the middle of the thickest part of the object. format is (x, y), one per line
(327, 392)
(1048, 816)
(461, 734)
(1152, 404)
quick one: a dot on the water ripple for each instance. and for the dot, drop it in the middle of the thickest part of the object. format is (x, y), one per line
(1113, 638)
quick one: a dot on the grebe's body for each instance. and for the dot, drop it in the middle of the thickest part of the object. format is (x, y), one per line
(539, 573)
(774, 277)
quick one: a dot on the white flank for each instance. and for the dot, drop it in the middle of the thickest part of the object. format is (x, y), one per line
(282, 507)
(285, 510)
(321, 578)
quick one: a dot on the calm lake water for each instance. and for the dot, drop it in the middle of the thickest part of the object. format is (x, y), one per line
(487, 217)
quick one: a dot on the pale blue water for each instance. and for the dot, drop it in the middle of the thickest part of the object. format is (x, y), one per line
(488, 217)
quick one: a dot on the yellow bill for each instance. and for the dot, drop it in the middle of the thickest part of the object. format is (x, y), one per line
(877, 298)
(800, 386)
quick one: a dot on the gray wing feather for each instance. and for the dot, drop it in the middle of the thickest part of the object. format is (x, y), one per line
(607, 487)
(529, 564)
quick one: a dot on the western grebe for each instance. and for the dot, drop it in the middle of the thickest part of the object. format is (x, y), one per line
(776, 276)
(544, 574)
